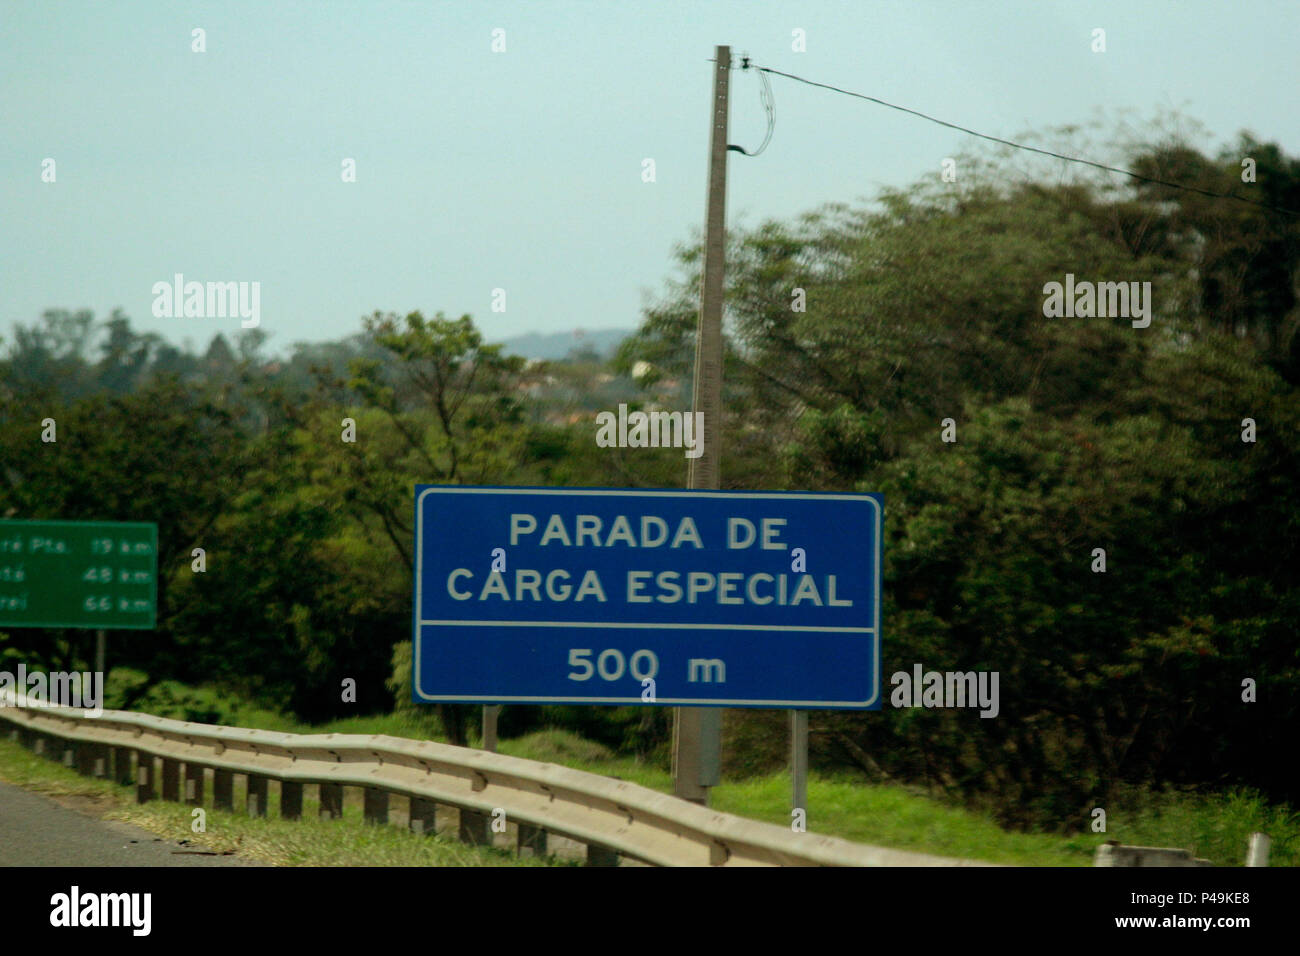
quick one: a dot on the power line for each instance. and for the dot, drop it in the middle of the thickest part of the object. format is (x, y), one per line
(1032, 149)
(769, 105)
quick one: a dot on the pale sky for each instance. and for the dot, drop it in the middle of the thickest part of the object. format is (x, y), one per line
(522, 169)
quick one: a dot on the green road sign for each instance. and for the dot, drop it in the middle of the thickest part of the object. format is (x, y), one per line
(94, 574)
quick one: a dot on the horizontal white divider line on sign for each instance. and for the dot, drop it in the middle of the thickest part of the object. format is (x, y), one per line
(632, 626)
(629, 819)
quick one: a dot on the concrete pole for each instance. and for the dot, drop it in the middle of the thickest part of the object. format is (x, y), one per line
(697, 731)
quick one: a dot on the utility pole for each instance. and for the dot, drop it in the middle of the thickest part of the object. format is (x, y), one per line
(697, 731)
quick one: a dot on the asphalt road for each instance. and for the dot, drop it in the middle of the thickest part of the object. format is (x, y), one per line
(36, 831)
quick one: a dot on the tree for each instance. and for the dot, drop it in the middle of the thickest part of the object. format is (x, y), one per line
(439, 408)
(1246, 254)
(1071, 435)
(163, 454)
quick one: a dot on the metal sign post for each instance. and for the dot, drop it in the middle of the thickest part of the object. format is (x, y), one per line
(799, 760)
(491, 713)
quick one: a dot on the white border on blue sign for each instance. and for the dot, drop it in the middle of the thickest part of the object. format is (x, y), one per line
(874, 630)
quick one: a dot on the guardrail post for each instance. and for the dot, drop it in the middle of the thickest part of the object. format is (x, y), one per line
(171, 780)
(474, 828)
(69, 750)
(122, 766)
(194, 784)
(256, 795)
(85, 757)
(331, 801)
(290, 800)
(601, 855)
(223, 790)
(101, 756)
(1115, 854)
(376, 805)
(143, 777)
(1257, 850)
(423, 816)
(532, 838)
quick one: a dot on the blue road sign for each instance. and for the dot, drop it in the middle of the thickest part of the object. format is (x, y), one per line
(681, 598)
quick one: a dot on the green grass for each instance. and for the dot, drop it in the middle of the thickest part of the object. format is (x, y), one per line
(570, 750)
(892, 817)
(394, 725)
(1212, 825)
(1215, 826)
(883, 816)
(349, 841)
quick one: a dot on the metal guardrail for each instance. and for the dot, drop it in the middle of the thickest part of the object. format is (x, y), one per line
(1114, 853)
(1117, 854)
(611, 817)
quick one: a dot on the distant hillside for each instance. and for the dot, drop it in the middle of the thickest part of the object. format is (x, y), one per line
(557, 345)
